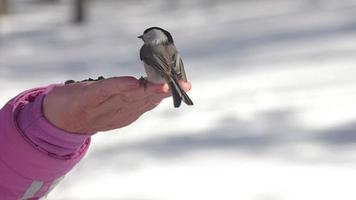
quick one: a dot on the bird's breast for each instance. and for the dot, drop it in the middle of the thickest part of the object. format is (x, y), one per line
(152, 75)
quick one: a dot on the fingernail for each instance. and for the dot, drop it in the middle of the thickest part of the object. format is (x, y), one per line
(165, 88)
(158, 88)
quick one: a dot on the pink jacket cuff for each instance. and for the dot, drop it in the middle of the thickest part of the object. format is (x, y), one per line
(30, 145)
(42, 134)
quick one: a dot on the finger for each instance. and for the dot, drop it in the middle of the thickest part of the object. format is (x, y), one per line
(186, 85)
(157, 88)
(164, 90)
(158, 92)
(116, 85)
(101, 90)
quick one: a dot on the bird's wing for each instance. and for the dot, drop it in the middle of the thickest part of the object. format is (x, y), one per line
(176, 63)
(155, 60)
(170, 63)
(178, 67)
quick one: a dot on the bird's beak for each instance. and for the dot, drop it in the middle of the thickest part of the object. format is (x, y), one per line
(140, 36)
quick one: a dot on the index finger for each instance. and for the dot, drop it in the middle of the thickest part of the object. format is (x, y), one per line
(106, 88)
(119, 84)
(116, 85)
(162, 90)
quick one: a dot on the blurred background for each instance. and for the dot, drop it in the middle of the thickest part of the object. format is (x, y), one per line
(273, 85)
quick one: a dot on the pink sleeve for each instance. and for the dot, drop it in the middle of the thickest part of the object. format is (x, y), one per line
(34, 155)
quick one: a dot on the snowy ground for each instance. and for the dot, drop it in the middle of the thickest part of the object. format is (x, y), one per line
(273, 84)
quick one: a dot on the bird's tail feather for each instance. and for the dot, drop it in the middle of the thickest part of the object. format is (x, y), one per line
(177, 100)
(186, 99)
(178, 94)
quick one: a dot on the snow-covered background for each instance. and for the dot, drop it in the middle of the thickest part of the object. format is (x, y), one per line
(274, 89)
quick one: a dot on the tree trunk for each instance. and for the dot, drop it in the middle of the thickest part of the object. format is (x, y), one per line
(79, 8)
(3, 7)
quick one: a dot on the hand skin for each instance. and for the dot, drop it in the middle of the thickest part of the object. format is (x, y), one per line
(93, 106)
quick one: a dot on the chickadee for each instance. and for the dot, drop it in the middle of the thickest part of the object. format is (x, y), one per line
(163, 63)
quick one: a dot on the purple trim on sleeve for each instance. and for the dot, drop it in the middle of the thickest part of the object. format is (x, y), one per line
(45, 136)
(31, 158)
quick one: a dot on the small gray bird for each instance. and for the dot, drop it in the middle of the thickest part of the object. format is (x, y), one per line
(163, 63)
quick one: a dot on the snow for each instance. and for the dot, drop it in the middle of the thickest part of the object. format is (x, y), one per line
(273, 87)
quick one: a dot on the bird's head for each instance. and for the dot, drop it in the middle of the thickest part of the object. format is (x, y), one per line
(156, 36)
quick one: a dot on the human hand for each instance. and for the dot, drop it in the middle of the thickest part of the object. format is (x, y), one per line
(92, 106)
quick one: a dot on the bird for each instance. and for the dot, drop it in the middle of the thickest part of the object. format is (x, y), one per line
(163, 64)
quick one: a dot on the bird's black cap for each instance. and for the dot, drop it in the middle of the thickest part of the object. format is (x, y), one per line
(169, 36)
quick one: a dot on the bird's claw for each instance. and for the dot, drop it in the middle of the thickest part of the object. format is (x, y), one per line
(143, 82)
